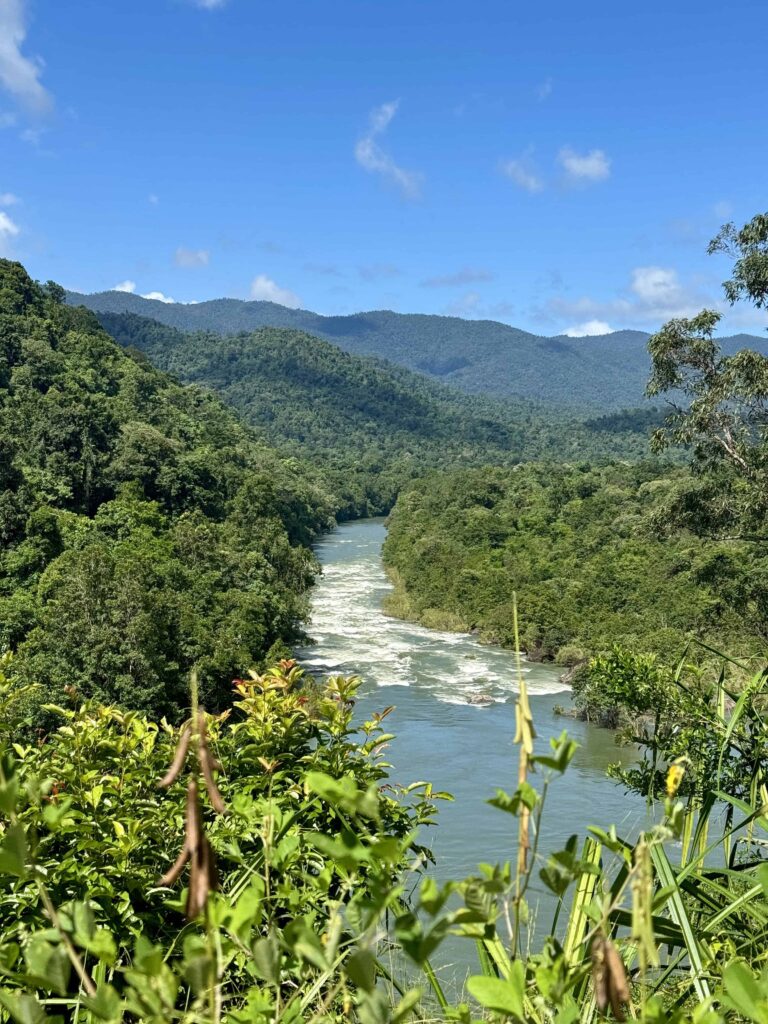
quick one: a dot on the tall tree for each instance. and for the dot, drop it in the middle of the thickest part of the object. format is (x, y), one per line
(719, 403)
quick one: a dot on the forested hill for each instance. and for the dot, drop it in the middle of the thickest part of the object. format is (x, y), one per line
(144, 528)
(371, 425)
(301, 388)
(479, 356)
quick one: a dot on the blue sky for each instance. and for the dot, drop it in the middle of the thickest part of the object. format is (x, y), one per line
(557, 166)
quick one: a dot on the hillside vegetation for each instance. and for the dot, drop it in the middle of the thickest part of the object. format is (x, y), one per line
(144, 528)
(371, 425)
(580, 548)
(479, 356)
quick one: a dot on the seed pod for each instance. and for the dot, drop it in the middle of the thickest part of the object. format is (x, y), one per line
(207, 765)
(618, 986)
(609, 977)
(173, 873)
(203, 878)
(178, 759)
(193, 820)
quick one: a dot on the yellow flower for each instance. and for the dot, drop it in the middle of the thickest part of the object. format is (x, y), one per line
(675, 775)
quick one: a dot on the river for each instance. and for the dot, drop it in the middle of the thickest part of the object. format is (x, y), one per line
(460, 747)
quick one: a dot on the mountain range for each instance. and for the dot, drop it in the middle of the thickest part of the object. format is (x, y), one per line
(604, 372)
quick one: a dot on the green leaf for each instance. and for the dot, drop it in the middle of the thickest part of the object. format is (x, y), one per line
(744, 993)
(525, 795)
(361, 969)
(305, 943)
(678, 914)
(24, 1009)
(500, 995)
(9, 785)
(106, 1004)
(13, 852)
(266, 959)
(49, 964)
(408, 1003)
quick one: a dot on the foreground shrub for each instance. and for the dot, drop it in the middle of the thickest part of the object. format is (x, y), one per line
(293, 853)
(307, 843)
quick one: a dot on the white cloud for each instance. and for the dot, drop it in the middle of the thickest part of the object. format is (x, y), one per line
(544, 89)
(8, 199)
(8, 231)
(468, 275)
(19, 74)
(130, 288)
(657, 286)
(191, 257)
(267, 290)
(521, 172)
(652, 296)
(592, 166)
(209, 5)
(588, 328)
(152, 199)
(372, 157)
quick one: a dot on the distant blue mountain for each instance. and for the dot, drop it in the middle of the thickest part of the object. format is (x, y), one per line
(478, 356)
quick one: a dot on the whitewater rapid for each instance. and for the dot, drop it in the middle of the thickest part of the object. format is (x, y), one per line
(352, 635)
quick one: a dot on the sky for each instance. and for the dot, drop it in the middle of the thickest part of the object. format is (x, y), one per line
(557, 166)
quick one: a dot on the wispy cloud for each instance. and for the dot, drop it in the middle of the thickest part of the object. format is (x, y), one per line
(8, 199)
(373, 158)
(323, 269)
(378, 271)
(270, 246)
(153, 199)
(544, 89)
(190, 258)
(267, 290)
(209, 5)
(585, 167)
(468, 275)
(20, 74)
(8, 231)
(32, 136)
(470, 306)
(521, 171)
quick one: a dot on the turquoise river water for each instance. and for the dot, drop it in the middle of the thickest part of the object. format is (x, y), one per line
(460, 747)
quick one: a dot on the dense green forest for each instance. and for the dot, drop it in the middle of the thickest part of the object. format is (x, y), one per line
(144, 528)
(258, 866)
(372, 425)
(581, 547)
(478, 356)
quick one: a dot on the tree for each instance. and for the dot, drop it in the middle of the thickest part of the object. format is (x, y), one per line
(719, 403)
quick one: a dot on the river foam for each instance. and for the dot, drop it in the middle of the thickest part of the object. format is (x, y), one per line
(351, 634)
